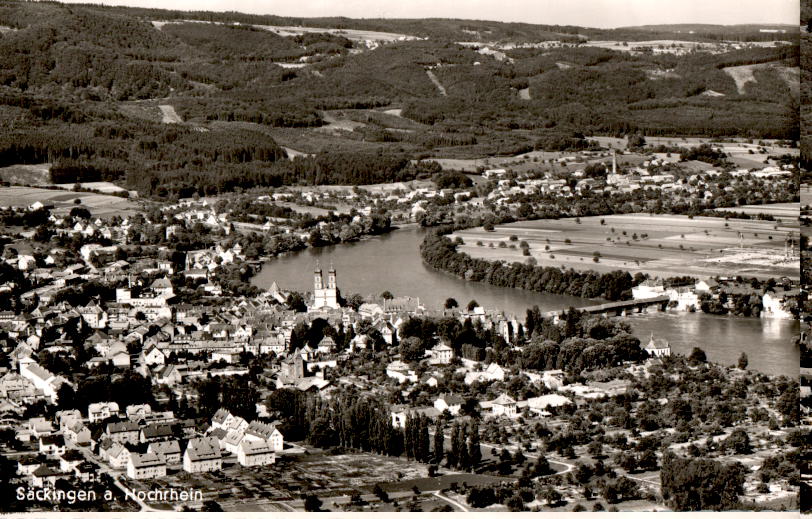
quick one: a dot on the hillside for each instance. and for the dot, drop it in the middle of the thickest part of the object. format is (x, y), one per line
(172, 102)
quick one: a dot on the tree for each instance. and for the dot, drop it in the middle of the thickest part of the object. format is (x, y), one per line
(472, 304)
(450, 303)
(739, 442)
(312, 503)
(694, 484)
(551, 495)
(211, 506)
(474, 449)
(380, 493)
(697, 356)
(387, 295)
(439, 433)
(743, 361)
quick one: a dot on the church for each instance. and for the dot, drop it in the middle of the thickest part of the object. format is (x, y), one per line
(325, 296)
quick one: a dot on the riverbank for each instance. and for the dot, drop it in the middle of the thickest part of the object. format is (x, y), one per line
(392, 262)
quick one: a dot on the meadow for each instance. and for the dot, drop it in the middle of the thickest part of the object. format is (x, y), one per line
(659, 245)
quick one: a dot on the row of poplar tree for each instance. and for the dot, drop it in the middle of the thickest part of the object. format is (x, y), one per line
(465, 452)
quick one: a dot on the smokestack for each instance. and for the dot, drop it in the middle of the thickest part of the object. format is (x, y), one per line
(614, 163)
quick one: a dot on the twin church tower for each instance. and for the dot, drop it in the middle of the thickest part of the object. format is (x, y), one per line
(325, 296)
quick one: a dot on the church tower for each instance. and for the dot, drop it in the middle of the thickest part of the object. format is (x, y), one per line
(331, 277)
(318, 279)
(325, 295)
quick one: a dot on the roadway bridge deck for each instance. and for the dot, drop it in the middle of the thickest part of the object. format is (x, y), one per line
(619, 308)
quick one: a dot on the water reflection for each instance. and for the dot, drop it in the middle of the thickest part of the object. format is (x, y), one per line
(392, 262)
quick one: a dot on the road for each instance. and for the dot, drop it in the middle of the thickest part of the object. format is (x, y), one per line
(105, 469)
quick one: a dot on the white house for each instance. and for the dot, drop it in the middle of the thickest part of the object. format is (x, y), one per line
(256, 453)
(504, 405)
(451, 402)
(101, 411)
(202, 455)
(266, 432)
(145, 466)
(169, 450)
(441, 354)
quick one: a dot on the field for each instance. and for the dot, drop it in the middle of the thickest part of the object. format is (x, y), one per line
(98, 204)
(743, 75)
(660, 245)
(29, 174)
(331, 477)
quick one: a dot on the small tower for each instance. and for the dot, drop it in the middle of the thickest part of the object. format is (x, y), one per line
(318, 279)
(614, 163)
(331, 277)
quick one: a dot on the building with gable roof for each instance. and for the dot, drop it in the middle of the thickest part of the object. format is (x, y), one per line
(202, 455)
(256, 453)
(145, 466)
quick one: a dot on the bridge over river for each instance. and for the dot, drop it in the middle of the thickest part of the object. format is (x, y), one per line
(620, 308)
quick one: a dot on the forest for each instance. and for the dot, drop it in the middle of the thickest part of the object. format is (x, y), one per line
(80, 86)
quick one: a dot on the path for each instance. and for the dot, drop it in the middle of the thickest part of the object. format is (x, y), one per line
(452, 502)
(169, 115)
(436, 82)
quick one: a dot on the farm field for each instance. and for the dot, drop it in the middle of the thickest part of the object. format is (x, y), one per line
(786, 213)
(104, 187)
(659, 245)
(98, 204)
(279, 487)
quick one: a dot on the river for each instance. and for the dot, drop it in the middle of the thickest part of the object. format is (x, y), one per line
(392, 262)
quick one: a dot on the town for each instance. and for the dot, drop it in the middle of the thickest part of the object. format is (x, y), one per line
(124, 371)
(359, 262)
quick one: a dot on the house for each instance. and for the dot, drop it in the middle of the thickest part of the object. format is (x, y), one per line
(222, 419)
(452, 403)
(553, 378)
(202, 455)
(145, 466)
(441, 354)
(540, 404)
(648, 288)
(28, 464)
(152, 356)
(169, 450)
(503, 405)
(256, 453)
(101, 411)
(77, 433)
(123, 432)
(70, 460)
(40, 426)
(116, 455)
(137, 412)
(706, 285)
(231, 441)
(156, 433)
(266, 432)
(53, 445)
(86, 472)
(46, 476)
(400, 371)
(169, 375)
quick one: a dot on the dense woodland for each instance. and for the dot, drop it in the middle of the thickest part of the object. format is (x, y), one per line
(80, 85)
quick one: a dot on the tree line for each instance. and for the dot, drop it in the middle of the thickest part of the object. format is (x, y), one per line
(440, 253)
